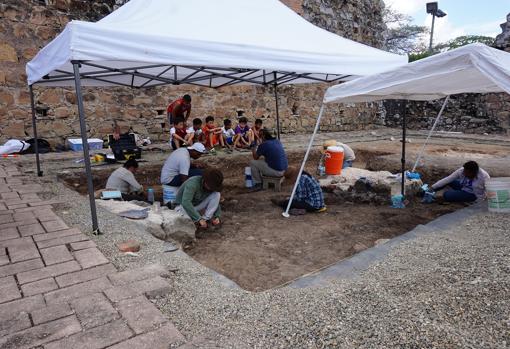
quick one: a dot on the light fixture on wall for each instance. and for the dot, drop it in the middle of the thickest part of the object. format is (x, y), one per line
(433, 9)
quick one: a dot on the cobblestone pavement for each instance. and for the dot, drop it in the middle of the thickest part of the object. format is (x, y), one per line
(57, 290)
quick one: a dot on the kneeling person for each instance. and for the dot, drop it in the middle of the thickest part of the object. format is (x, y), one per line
(199, 198)
(308, 195)
(123, 179)
(178, 167)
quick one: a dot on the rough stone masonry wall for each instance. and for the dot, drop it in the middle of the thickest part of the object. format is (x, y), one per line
(469, 113)
(28, 25)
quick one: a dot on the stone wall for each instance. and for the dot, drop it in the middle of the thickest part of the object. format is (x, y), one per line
(28, 25)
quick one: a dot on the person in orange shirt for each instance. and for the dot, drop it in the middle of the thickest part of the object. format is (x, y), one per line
(212, 133)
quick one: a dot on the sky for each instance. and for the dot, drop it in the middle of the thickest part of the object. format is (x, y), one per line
(464, 17)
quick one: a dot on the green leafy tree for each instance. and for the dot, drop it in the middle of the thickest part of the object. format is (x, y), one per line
(401, 36)
(463, 41)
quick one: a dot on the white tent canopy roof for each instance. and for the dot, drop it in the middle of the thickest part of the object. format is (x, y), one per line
(149, 43)
(474, 68)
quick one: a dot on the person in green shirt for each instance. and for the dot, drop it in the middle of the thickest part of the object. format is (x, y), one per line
(199, 198)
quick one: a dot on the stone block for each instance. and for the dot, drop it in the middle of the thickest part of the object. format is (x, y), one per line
(56, 225)
(47, 272)
(9, 233)
(162, 338)
(37, 287)
(62, 240)
(85, 275)
(156, 286)
(4, 259)
(10, 310)
(41, 334)
(55, 254)
(146, 272)
(17, 206)
(19, 322)
(95, 338)
(79, 290)
(76, 246)
(94, 310)
(15, 268)
(141, 315)
(22, 249)
(6, 218)
(90, 257)
(45, 215)
(27, 217)
(30, 229)
(56, 234)
(50, 313)
(8, 289)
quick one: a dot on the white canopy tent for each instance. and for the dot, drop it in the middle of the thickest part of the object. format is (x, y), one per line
(474, 68)
(150, 43)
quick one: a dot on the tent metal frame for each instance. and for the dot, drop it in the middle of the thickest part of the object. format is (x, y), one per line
(103, 73)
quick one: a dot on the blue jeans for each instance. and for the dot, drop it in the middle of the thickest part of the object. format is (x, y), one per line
(347, 163)
(177, 181)
(456, 194)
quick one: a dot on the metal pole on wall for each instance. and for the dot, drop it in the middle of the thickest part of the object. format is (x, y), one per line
(277, 107)
(302, 168)
(403, 160)
(86, 157)
(432, 32)
(34, 129)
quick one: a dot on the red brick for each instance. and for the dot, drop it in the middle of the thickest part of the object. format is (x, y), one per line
(50, 313)
(41, 334)
(79, 290)
(129, 246)
(22, 249)
(28, 304)
(94, 310)
(76, 246)
(95, 338)
(159, 339)
(20, 267)
(56, 234)
(62, 240)
(9, 233)
(141, 315)
(47, 272)
(56, 225)
(90, 257)
(85, 275)
(41, 286)
(146, 272)
(8, 289)
(156, 286)
(31, 229)
(19, 322)
(55, 254)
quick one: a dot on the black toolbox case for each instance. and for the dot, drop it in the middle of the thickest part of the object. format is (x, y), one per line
(125, 147)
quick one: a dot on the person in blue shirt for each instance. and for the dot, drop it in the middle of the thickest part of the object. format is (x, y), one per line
(274, 163)
(308, 197)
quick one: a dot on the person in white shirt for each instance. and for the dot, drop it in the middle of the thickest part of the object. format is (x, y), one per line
(228, 132)
(349, 156)
(194, 133)
(123, 179)
(467, 184)
(178, 168)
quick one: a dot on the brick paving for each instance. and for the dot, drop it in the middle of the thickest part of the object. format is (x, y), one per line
(57, 290)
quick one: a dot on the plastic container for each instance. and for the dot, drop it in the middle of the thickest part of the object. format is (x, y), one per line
(169, 194)
(334, 159)
(498, 194)
(247, 177)
(150, 195)
(75, 144)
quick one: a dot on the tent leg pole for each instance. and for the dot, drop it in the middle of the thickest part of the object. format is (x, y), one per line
(34, 129)
(403, 160)
(310, 144)
(430, 134)
(86, 156)
(277, 107)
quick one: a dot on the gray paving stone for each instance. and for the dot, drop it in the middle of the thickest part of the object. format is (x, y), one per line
(90, 257)
(17, 323)
(156, 286)
(9, 233)
(46, 272)
(159, 339)
(41, 334)
(31, 229)
(76, 246)
(6, 218)
(141, 315)
(8, 289)
(56, 234)
(55, 225)
(55, 254)
(22, 249)
(79, 290)
(95, 338)
(146, 272)
(15, 268)
(62, 240)
(4, 259)
(41, 286)
(85, 275)
(50, 313)
(94, 310)
(26, 217)
(28, 304)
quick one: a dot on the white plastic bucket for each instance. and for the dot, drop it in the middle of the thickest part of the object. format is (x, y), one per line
(247, 177)
(498, 194)
(169, 194)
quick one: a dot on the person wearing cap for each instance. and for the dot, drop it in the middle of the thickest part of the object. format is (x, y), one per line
(275, 161)
(199, 198)
(178, 167)
(179, 108)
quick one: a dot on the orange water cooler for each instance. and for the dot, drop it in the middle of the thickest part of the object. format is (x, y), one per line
(334, 160)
